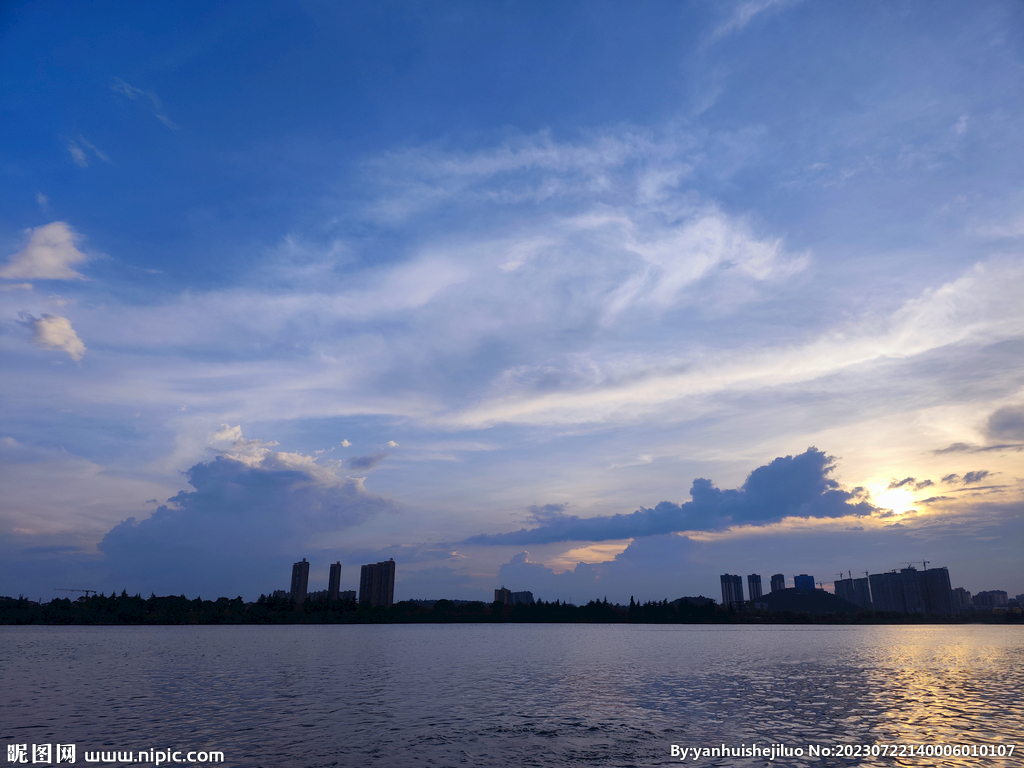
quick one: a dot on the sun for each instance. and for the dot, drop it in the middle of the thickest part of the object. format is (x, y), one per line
(899, 500)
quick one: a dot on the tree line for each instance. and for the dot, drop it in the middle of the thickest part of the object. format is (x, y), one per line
(134, 610)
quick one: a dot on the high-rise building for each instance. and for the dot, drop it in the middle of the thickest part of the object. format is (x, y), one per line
(887, 592)
(732, 589)
(961, 599)
(935, 589)
(803, 581)
(503, 596)
(377, 584)
(334, 582)
(862, 594)
(993, 598)
(300, 578)
(754, 586)
(844, 589)
(525, 597)
(913, 597)
(778, 582)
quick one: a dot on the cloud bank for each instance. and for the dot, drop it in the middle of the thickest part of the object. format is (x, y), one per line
(250, 513)
(790, 486)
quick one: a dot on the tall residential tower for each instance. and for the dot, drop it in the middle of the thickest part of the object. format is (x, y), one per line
(334, 583)
(300, 578)
(377, 584)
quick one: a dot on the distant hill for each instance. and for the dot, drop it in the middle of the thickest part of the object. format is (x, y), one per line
(698, 601)
(806, 601)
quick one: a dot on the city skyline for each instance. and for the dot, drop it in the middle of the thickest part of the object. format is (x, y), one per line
(623, 296)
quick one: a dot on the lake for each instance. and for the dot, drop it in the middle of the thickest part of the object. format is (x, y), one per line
(510, 694)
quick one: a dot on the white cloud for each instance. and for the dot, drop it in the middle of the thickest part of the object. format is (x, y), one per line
(744, 14)
(78, 154)
(345, 444)
(227, 432)
(49, 255)
(55, 332)
(392, 444)
(981, 307)
(119, 86)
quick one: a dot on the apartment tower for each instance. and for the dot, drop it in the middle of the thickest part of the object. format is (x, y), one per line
(377, 584)
(300, 578)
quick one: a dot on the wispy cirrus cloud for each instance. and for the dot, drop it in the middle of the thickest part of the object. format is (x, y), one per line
(744, 12)
(80, 150)
(129, 91)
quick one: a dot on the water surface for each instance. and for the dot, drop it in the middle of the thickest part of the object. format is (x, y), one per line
(505, 695)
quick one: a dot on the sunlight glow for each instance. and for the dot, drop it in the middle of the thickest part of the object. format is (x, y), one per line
(899, 500)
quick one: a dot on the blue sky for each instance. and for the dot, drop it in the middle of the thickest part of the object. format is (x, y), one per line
(584, 298)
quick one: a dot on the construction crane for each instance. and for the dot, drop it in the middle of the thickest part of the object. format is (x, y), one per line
(915, 562)
(87, 591)
(840, 575)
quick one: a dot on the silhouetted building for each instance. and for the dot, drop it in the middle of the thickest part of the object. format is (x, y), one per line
(961, 599)
(503, 596)
(844, 589)
(993, 598)
(732, 589)
(778, 582)
(525, 597)
(913, 599)
(803, 581)
(300, 578)
(377, 584)
(887, 592)
(334, 582)
(861, 593)
(754, 586)
(936, 592)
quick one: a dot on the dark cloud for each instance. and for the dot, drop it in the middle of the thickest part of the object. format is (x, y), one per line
(546, 512)
(1007, 423)
(901, 483)
(629, 572)
(367, 462)
(936, 498)
(670, 566)
(923, 484)
(797, 486)
(242, 519)
(969, 478)
(966, 448)
(955, 448)
(56, 549)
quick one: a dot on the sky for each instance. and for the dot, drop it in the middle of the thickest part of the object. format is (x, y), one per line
(585, 298)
